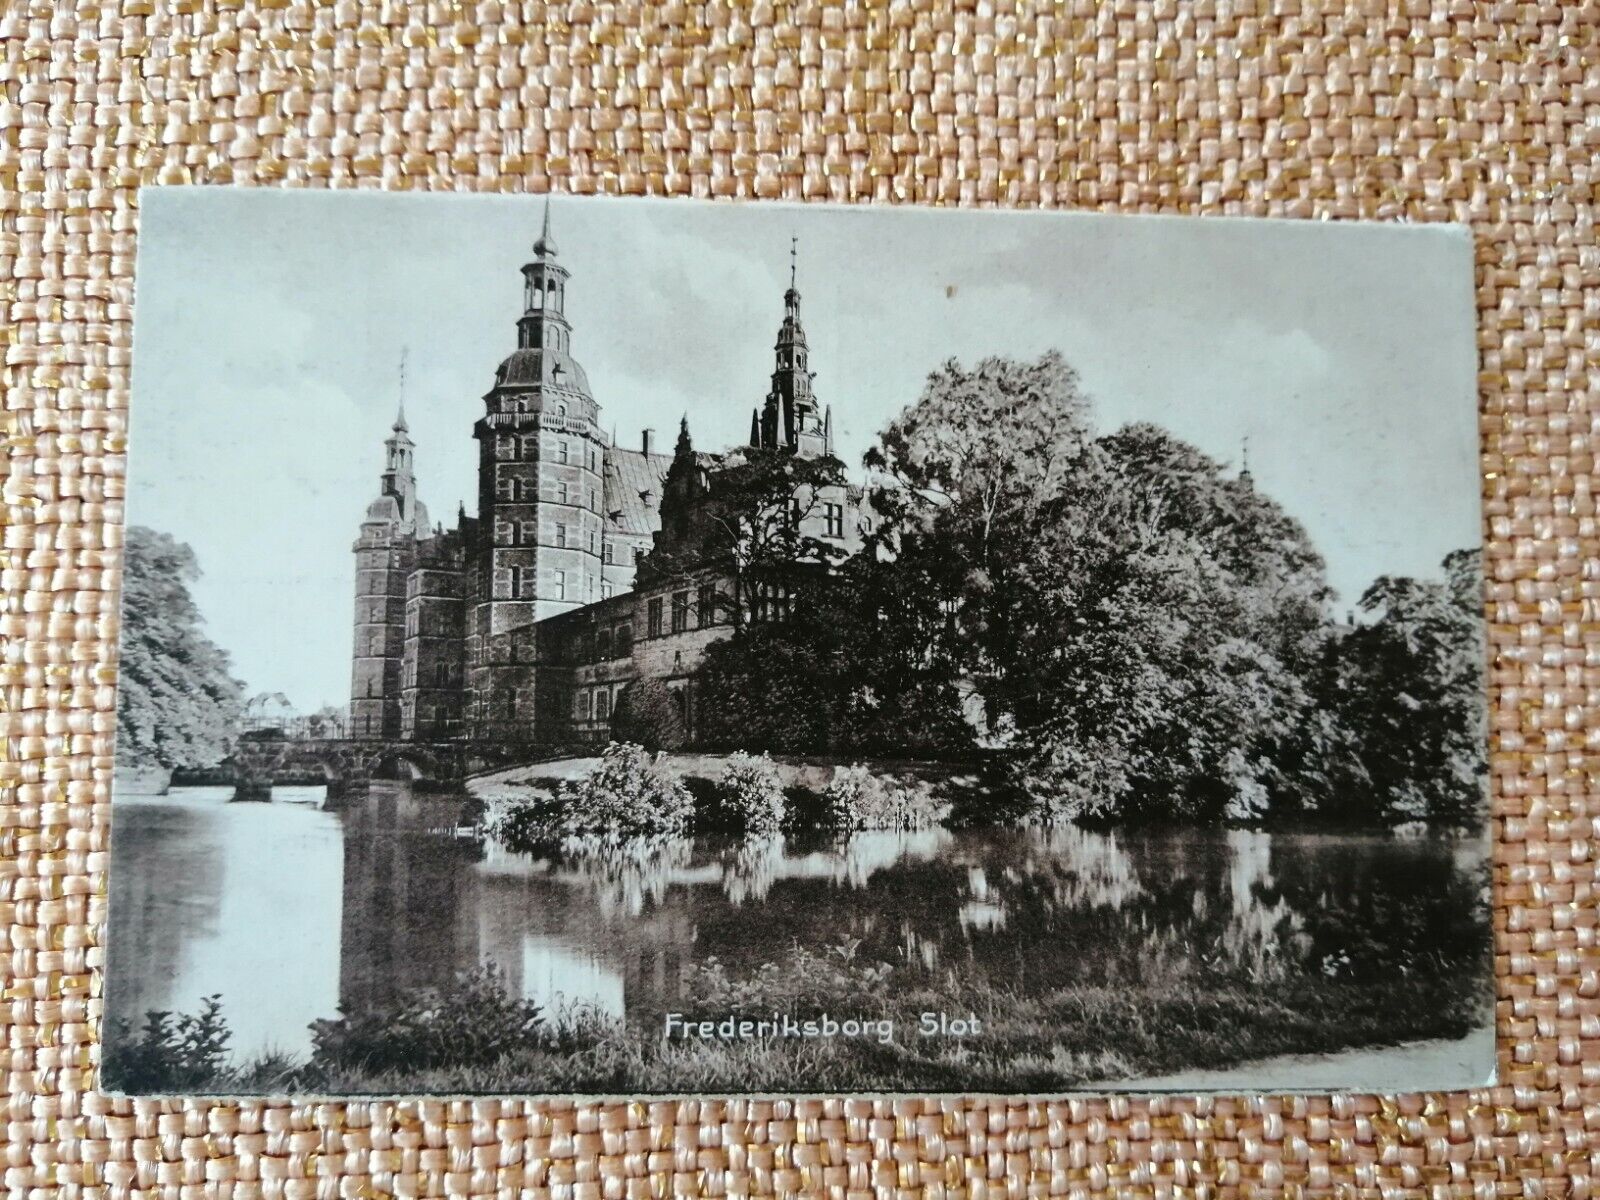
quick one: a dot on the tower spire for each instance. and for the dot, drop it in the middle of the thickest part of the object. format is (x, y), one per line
(400, 416)
(545, 247)
(791, 419)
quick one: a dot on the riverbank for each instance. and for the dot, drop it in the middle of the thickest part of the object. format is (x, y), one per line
(920, 792)
(1167, 1031)
(1435, 1064)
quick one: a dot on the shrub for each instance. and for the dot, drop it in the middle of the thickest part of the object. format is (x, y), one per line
(630, 792)
(647, 714)
(803, 979)
(174, 1052)
(472, 1022)
(855, 798)
(747, 796)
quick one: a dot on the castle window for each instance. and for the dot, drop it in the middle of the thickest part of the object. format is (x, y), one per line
(504, 487)
(680, 611)
(502, 532)
(624, 640)
(589, 589)
(530, 447)
(561, 535)
(529, 533)
(609, 552)
(772, 603)
(606, 589)
(561, 585)
(603, 645)
(591, 458)
(835, 519)
(706, 606)
(602, 704)
(561, 454)
(592, 536)
(527, 489)
(581, 706)
(561, 493)
(655, 613)
(594, 501)
(505, 447)
(502, 583)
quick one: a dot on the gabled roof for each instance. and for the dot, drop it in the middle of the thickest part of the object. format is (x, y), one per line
(630, 475)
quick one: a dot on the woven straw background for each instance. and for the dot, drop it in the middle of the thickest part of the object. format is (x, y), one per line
(1422, 110)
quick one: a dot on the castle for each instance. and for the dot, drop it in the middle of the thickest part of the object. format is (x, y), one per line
(526, 622)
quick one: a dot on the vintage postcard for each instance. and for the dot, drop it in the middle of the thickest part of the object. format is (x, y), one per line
(587, 646)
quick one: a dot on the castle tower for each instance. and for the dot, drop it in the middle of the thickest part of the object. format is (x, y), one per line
(541, 465)
(385, 552)
(792, 419)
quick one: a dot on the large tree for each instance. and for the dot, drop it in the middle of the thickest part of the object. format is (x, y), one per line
(1407, 684)
(1136, 619)
(178, 705)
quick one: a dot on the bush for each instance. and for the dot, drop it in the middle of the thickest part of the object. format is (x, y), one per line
(174, 1052)
(472, 1022)
(803, 979)
(647, 714)
(630, 792)
(747, 796)
(855, 798)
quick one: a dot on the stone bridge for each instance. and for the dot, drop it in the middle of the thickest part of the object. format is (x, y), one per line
(345, 765)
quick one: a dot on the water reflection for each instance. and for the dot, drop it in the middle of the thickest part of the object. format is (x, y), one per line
(290, 911)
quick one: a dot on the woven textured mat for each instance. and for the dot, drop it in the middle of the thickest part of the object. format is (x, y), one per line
(1445, 110)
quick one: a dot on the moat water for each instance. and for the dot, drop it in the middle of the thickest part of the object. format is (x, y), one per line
(289, 910)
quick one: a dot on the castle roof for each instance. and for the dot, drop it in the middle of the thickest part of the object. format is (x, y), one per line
(529, 367)
(630, 476)
(389, 509)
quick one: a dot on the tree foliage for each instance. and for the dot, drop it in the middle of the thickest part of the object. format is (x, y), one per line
(1408, 682)
(1132, 627)
(754, 525)
(177, 705)
(648, 715)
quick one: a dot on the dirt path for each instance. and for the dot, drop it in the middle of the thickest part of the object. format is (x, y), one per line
(1439, 1064)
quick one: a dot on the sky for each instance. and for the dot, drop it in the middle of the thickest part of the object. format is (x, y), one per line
(270, 326)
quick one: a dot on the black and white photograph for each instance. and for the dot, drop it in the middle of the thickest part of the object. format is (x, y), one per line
(578, 645)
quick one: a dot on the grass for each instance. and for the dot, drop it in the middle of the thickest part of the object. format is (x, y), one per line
(1095, 1032)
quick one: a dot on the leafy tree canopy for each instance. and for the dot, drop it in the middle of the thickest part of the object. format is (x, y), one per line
(177, 703)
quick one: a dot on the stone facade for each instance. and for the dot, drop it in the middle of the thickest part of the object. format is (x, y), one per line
(524, 623)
